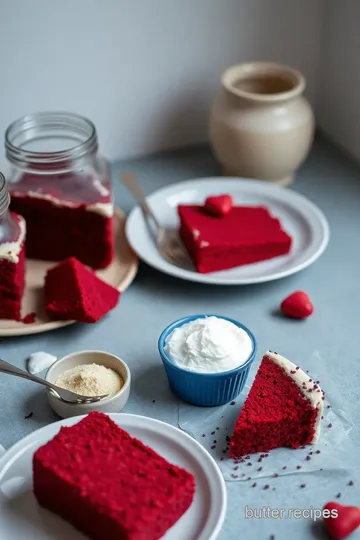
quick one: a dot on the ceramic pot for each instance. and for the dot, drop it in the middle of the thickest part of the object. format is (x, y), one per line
(261, 126)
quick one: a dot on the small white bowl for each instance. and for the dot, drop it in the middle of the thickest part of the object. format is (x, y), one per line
(108, 405)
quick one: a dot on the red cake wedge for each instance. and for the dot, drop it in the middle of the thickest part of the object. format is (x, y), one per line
(283, 409)
(12, 271)
(73, 292)
(108, 484)
(247, 234)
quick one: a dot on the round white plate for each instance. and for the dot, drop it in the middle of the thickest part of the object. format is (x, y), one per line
(21, 516)
(303, 220)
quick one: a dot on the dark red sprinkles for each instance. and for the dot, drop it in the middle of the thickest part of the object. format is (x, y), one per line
(29, 415)
(266, 486)
(308, 458)
(233, 403)
(302, 486)
(351, 483)
(254, 484)
(338, 495)
(329, 425)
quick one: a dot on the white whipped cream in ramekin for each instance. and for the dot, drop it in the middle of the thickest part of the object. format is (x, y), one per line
(209, 345)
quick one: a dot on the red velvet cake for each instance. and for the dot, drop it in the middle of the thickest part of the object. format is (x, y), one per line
(245, 235)
(283, 409)
(12, 271)
(66, 215)
(109, 485)
(73, 292)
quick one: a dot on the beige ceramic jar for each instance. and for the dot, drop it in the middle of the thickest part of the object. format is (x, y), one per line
(261, 126)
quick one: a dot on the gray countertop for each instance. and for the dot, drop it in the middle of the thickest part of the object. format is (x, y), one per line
(329, 337)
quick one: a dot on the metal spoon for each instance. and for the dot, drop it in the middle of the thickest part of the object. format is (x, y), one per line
(168, 241)
(64, 395)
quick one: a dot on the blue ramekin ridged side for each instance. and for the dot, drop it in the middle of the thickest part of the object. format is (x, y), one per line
(205, 389)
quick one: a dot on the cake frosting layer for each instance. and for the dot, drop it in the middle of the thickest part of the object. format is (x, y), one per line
(10, 250)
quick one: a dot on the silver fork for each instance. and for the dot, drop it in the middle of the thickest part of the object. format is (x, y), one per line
(167, 241)
(64, 395)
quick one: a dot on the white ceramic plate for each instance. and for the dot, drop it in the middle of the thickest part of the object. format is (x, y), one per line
(22, 518)
(301, 218)
(119, 274)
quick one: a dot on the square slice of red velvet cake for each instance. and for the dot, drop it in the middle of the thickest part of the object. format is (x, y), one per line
(248, 234)
(12, 271)
(67, 215)
(75, 293)
(108, 484)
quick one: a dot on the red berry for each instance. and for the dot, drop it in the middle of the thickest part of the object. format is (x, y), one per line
(298, 305)
(340, 521)
(219, 205)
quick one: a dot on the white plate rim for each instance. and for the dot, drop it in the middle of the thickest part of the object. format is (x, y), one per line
(21, 446)
(283, 192)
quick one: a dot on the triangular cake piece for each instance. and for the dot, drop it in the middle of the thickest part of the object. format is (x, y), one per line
(75, 293)
(283, 409)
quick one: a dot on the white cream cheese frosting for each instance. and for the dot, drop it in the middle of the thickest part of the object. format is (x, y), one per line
(104, 209)
(10, 251)
(311, 391)
(209, 345)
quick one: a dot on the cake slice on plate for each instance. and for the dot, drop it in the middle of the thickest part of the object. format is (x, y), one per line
(108, 484)
(75, 293)
(12, 271)
(283, 409)
(247, 234)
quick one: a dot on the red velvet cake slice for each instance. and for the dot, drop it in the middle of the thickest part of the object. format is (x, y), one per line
(73, 292)
(283, 409)
(108, 484)
(12, 270)
(247, 234)
(67, 215)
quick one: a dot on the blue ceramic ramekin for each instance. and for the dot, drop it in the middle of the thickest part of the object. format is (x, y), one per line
(205, 389)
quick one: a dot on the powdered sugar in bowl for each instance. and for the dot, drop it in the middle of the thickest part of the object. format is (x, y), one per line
(207, 358)
(113, 403)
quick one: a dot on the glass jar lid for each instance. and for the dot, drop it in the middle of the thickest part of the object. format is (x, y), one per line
(50, 141)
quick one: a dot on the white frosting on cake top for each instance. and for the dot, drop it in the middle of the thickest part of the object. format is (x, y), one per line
(10, 251)
(104, 209)
(306, 386)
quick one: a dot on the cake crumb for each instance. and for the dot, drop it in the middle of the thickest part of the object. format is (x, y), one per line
(30, 318)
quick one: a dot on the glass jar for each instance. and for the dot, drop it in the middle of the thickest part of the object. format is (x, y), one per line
(61, 186)
(8, 229)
